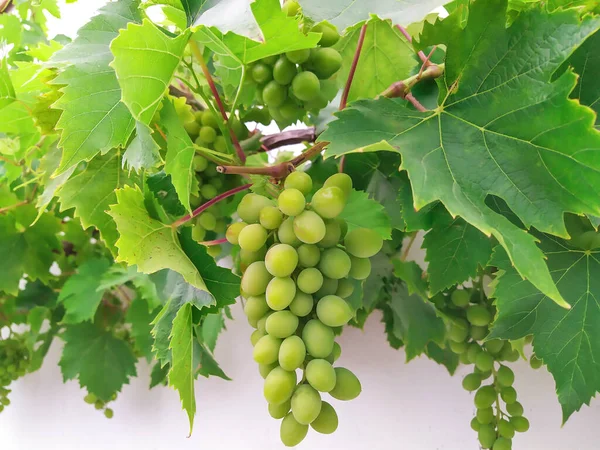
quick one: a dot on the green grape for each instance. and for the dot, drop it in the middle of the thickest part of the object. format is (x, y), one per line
(281, 260)
(347, 385)
(284, 71)
(233, 232)
(459, 330)
(485, 397)
(280, 293)
(209, 119)
(486, 435)
(282, 324)
(460, 298)
(207, 221)
(292, 432)
(292, 353)
(308, 255)
(265, 369)
(299, 180)
(255, 279)
(363, 243)
(306, 404)
(321, 375)
(329, 287)
(509, 354)
(255, 336)
(535, 362)
(192, 128)
(276, 114)
(483, 374)
(310, 280)
(302, 304)
(329, 37)
(479, 315)
(329, 202)
(337, 351)
(109, 413)
(252, 237)
(260, 324)
(334, 311)
(325, 62)
(478, 333)
(286, 234)
(305, 86)
(298, 56)
(309, 227)
(471, 382)
(266, 350)
(250, 207)
(458, 347)
(318, 338)
(216, 182)
(256, 307)
(290, 111)
(333, 233)
(280, 411)
(279, 386)
(485, 415)
(261, 73)
(472, 352)
(207, 135)
(274, 94)
(475, 425)
(505, 376)
(508, 394)
(98, 405)
(208, 191)
(484, 361)
(327, 420)
(502, 443)
(335, 263)
(360, 268)
(248, 258)
(269, 60)
(200, 163)
(270, 217)
(520, 424)
(220, 144)
(291, 7)
(340, 180)
(494, 346)
(514, 409)
(211, 171)
(90, 399)
(506, 429)
(345, 288)
(291, 202)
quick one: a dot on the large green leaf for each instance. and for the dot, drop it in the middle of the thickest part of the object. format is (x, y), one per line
(7, 90)
(363, 212)
(568, 341)
(502, 128)
(145, 61)
(143, 151)
(93, 120)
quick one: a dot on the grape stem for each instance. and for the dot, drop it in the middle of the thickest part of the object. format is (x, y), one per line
(200, 59)
(408, 247)
(16, 205)
(409, 39)
(189, 97)
(402, 88)
(289, 137)
(209, 203)
(214, 242)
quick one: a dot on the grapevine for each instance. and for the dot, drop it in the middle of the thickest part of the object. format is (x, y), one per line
(147, 185)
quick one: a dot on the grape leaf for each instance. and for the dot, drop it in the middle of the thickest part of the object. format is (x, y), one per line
(158, 375)
(181, 375)
(180, 154)
(455, 249)
(519, 130)
(412, 275)
(381, 270)
(7, 90)
(161, 186)
(140, 316)
(145, 61)
(92, 191)
(211, 327)
(384, 189)
(206, 364)
(193, 9)
(48, 165)
(93, 117)
(81, 294)
(363, 212)
(443, 356)
(385, 58)
(143, 151)
(568, 341)
(101, 362)
(413, 219)
(343, 13)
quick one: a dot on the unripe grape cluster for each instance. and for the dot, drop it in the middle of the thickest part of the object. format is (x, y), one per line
(14, 363)
(299, 261)
(491, 380)
(91, 399)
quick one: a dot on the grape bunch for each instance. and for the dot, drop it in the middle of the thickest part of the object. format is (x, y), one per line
(471, 313)
(14, 363)
(299, 261)
(100, 405)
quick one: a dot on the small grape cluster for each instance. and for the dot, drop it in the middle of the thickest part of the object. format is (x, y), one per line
(294, 254)
(91, 399)
(300, 80)
(14, 363)
(472, 312)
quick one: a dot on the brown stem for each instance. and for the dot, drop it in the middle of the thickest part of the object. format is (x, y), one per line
(6, 6)
(209, 203)
(402, 88)
(408, 247)
(9, 161)
(426, 62)
(361, 40)
(313, 151)
(416, 103)
(289, 137)
(16, 205)
(189, 97)
(409, 39)
(215, 242)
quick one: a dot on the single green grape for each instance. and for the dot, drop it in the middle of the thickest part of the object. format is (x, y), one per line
(485, 397)
(342, 181)
(479, 315)
(327, 420)
(508, 353)
(330, 35)
(472, 352)
(281, 260)
(90, 399)
(306, 404)
(475, 425)
(360, 268)
(310, 280)
(505, 376)
(220, 144)
(290, 110)
(261, 73)
(216, 182)
(270, 217)
(485, 415)
(109, 413)
(309, 227)
(269, 60)
(261, 323)
(363, 243)
(280, 293)
(460, 298)
(308, 255)
(318, 338)
(192, 128)
(250, 207)
(333, 234)
(252, 237)
(256, 307)
(514, 409)
(484, 361)
(321, 375)
(458, 347)
(520, 424)
(284, 71)
(279, 386)
(255, 279)
(471, 382)
(255, 336)
(292, 432)
(207, 221)
(535, 362)
(280, 411)
(266, 350)
(290, 7)
(506, 429)
(209, 119)
(281, 324)
(335, 263)
(98, 405)
(337, 351)
(502, 443)
(305, 86)
(299, 180)
(459, 330)
(286, 234)
(345, 288)
(247, 258)
(302, 304)
(207, 135)
(494, 346)
(291, 202)
(347, 385)
(329, 202)
(508, 394)
(478, 333)
(329, 287)
(292, 353)
(200, 163)
(298, 56)
(486, 435)
(325, 62)
(334, 311)
(274, 94)
(208, 191)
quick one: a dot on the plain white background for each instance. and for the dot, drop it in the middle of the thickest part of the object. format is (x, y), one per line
(415, 406)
